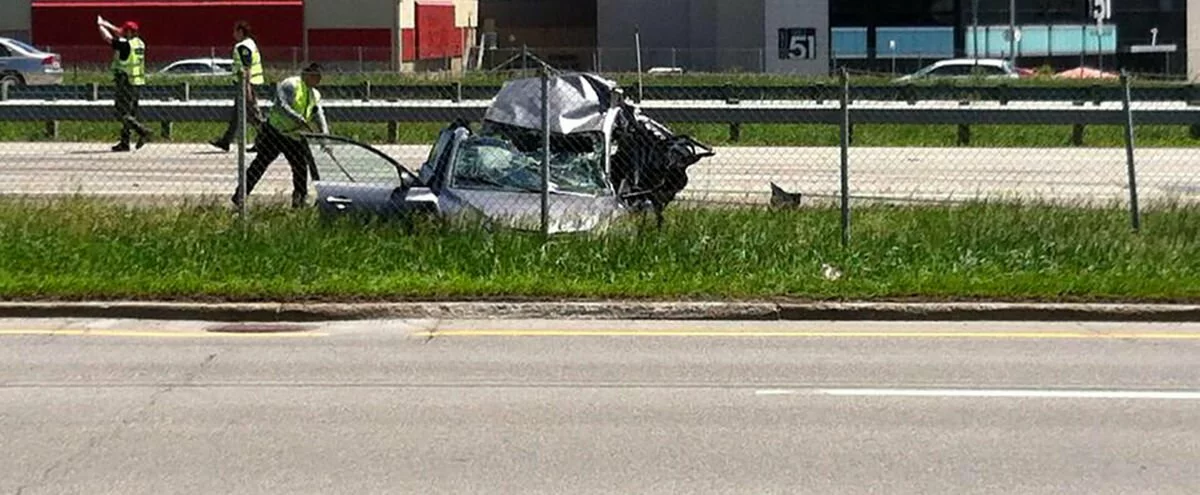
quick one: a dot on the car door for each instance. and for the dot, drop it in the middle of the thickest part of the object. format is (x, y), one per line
(355, 178)
(6, 58)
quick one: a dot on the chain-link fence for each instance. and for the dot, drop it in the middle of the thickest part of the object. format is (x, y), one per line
(470, 148)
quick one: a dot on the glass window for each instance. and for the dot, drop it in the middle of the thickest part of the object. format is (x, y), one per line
(487, 162)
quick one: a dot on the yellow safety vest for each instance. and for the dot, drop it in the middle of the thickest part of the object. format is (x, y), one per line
(256, 68)
(305, 103)
(135, 65)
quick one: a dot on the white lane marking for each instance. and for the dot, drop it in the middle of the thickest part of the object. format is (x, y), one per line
(774, 392)
(991, 393)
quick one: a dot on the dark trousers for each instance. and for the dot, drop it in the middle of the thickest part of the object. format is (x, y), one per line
(271, 143)
(127, 108)
(252, 116)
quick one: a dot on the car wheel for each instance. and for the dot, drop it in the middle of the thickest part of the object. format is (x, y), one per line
(11, 80)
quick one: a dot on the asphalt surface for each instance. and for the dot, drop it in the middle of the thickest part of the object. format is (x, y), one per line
(736, 174)
(600, 407)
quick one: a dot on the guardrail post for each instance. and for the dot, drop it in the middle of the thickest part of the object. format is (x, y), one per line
(94, 94)
(393, 132)
(52, 129)
(4, 92)
(1193, 99)
(735, 131)
(964, 130)
(457, 94)
(366, 96)
(166, 129)
(1077, 129)
(1003, 93)
(187, 91)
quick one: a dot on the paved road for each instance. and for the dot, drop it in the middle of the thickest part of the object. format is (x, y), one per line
(600, 407)
(735, 174)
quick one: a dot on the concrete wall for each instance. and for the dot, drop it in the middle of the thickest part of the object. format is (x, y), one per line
(1193, 39)
(705, 35)
(797, 14)
(740, 36)
(15, 19)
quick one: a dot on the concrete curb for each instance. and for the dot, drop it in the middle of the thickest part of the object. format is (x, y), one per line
(624, 310)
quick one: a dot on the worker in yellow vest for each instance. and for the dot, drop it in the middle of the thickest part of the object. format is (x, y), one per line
(129, 74)
(247, 67)
(296, 109)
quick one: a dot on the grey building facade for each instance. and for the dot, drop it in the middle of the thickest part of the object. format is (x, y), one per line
(778, 36)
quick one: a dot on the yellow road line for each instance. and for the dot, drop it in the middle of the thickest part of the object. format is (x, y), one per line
(132, 333)
(817, 334)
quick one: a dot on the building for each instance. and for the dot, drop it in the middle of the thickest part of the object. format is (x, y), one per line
(875, 35)
(363, 34)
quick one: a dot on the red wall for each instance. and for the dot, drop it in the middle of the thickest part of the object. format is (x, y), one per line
(176, 29)
(436, 35)
(170, 24)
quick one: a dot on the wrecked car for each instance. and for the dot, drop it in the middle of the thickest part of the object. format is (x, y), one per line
(607, 160)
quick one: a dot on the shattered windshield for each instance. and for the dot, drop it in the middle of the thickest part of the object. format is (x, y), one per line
(487, 162)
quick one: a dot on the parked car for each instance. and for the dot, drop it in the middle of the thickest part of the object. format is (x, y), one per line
(961, 68)
(607, 159)
(22, 64)
(199, 67)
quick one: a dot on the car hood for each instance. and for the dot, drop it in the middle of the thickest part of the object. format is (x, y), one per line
(523, 211)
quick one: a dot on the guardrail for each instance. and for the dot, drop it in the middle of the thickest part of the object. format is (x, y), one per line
(829, 113)
(731, 93)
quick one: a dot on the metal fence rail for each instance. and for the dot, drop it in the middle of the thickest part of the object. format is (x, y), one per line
(729, 92)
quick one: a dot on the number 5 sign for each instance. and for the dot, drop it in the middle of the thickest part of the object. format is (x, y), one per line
(797, 43)
(1101, 9)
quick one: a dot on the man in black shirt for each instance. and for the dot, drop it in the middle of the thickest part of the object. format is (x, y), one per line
(129, 74)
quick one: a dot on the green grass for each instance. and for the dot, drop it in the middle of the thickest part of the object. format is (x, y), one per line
(625, 79)
(86, 250)
(714, 134)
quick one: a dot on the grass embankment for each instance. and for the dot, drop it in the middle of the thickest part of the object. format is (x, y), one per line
(752, 134)
(717, 135)
(79, 249)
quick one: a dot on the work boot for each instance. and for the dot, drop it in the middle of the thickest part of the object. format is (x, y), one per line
(143, 138)
(120, 147)
(299, 200)
(221, 145)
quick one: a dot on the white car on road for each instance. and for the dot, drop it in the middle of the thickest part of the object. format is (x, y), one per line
(961, 68)
(199, 67)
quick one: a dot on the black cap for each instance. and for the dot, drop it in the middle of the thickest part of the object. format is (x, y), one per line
(313, 68)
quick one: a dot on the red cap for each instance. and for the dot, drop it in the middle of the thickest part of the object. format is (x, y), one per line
(130, 26)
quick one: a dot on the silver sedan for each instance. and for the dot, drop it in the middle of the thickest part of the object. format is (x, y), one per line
(24, 65)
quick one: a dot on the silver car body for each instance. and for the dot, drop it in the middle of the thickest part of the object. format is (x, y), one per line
(962, 68)
(29, 65)
(494, 174)
(199, 67)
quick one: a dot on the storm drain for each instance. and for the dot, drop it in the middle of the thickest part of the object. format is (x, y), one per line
(259, 328)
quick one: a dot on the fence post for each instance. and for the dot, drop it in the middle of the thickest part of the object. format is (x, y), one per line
(545, 153)
(845, 162)
(1134, 211)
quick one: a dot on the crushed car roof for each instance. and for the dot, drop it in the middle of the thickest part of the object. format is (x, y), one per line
(577, 103)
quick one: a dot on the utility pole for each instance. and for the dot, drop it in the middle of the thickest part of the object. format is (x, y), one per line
(1012, 30)
(975, 27)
